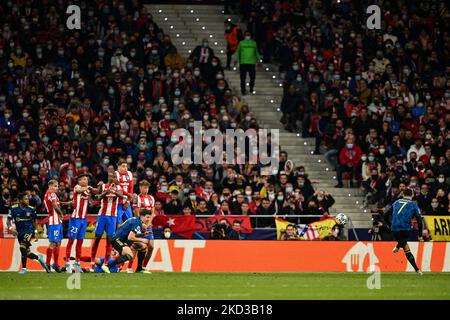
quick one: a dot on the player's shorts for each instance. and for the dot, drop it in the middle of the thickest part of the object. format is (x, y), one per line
(150, 236)
(123, 215)
(401, 237)
(77, 228)
(55, 232)
(118, 245)
(25, 239)
(106, 223)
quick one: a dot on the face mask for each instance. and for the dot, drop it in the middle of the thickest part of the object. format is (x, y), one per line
(271, 197)
(441, 180)
(192, 198)
(289, 190)
(363, 158)
(178, 183)
(205, 44)
(349, 145)
(320, 198)
(434, 205)
(371, 158)
(70, 173)
(164, 189)
(149, 173)
(247, 37)
(196, 100)
(432, 161)
(177, 92)
(185, 190)
(129, 160)
(196, 73)
(106, 162)
(412, 184)
(167, 234)
(280, 198)
(78, 165)
(18, 165)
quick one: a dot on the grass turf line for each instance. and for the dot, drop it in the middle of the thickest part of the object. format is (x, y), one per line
(224, 286)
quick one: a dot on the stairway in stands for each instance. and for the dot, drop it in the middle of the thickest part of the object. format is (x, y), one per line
(188, 25)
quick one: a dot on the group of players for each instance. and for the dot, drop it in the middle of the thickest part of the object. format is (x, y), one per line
(127, 220)
(124, 216)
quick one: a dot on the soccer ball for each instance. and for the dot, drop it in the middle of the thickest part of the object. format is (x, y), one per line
(341, 219)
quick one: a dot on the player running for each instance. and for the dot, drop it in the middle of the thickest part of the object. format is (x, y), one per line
(147, 202)
(404, 210)
(24, 218)
(125, 180)
(130, 234)
(110, 194)
(55, 230)
(77, 223)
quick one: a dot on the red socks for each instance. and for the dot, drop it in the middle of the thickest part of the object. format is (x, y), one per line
(56, 255)
(94, 250)
(49, 255)
(69, 249)
(108, 252)
(78, 248)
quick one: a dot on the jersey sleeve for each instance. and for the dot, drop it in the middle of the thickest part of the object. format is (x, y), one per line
(417, 212)
(53, 197)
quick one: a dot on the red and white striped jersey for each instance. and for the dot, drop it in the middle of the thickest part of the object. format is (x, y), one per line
(80, 203)
(49, 199)
(126, 182)
(144, 202)
(108, 204)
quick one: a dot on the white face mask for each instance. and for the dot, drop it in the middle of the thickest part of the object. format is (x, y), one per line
(167, 234)
(441, 180)
(434, 205)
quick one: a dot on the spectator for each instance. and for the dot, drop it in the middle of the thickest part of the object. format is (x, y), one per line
(349, 158)
(233, 35)
(289, 234)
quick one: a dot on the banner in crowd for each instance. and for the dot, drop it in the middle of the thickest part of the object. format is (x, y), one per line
(183, 226)
(313, 231)
(439, 227)
(261, 256)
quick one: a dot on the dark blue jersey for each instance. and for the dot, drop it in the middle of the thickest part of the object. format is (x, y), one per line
(22, 218)
(133, 224)
(403, 210)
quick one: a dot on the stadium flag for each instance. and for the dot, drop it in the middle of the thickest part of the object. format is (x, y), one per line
(439, 227)
(318, 230)
(204, 225)
(181, 225)
(282, 224)
(313, 231)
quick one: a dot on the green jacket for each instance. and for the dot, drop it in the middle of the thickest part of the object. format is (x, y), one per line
(247, 52)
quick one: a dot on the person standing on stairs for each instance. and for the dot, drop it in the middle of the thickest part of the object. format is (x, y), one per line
(248, 56)
(233, 35)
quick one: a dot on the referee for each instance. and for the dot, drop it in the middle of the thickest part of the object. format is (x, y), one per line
(404, 210)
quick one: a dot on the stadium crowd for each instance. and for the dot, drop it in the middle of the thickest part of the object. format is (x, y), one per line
(376, 101)
(77, 101)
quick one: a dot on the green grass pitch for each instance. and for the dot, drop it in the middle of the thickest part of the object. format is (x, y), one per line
(225, 286)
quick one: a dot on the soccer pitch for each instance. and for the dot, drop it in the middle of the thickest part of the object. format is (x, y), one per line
(225, 286)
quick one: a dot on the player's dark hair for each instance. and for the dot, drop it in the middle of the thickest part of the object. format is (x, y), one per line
(121, 162)
(407, 193)
(52, 182)
(21, 195)
(145, 212)
(82, 176)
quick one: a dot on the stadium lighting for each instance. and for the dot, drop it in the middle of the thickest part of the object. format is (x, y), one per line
(278, 109)
(183, 43)
(267, 69)
(210, 35)
(171, 27)
(305, 143)
(221, 51)
(192, 11)
(357, 202)
(247, 84)
(271, 101)
(223, 12)
(234, 68)
(165, 19)
(178, 35)
(319, 161)
(365, 210)
(215, 43)
(197, 19)
(334, 177)
(203, 27)
(160, 11)
(189, 51)
(273, 77)
(281, 84)
(298, 134)
(312, 152)
(327, 169)
(349, 194)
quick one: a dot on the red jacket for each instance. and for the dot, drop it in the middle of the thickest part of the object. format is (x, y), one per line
(350, 156)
